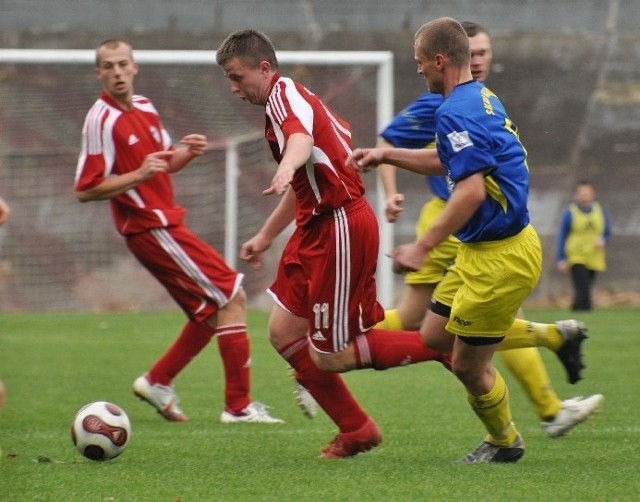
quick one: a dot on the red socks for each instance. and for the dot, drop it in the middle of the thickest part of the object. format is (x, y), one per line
(328, 389)
(381, 349)
(233, 344)
(193, 338)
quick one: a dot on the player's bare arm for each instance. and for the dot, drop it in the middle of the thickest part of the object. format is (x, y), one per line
(364, 160)
(251, 250)
(463, 203)
(193, 145)
(115, 185)
(421, 161)
(387, 175)
(394, 207)
(281, 217)
(296, 155)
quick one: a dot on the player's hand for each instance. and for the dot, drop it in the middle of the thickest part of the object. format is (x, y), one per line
(251, 251)
(195, 143)
(364, 160)
(156, 162)
(280, 181)
(563, 266)
(394, 207)
(407, 258)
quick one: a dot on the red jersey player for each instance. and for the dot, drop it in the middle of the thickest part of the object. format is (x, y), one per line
(324, 291)
(127, 157)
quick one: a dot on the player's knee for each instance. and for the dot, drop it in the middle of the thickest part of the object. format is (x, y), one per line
(281, 334)
(238, 304)
(464, 370)
(234, 312)
(408, 319)
(477, 379)
(239, 300)
(278, 338)
(413, 323)
(286, 328)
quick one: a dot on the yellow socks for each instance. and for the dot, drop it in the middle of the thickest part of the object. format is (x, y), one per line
(531, 334)
(527, 366)
(494, 412)
(391, 321)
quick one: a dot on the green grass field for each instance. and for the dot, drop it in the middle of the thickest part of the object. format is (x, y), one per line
(53, 364)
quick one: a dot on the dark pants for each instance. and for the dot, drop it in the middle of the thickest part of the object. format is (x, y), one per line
(583, 279)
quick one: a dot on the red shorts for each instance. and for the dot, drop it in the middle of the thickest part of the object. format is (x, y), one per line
(326, 274)
(192, 271)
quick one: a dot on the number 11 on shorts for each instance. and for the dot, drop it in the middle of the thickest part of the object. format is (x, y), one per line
(321, 315)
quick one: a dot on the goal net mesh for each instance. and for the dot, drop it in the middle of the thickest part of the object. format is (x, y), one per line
(59, 254)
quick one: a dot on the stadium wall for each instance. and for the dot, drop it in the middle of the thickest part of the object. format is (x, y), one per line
(571, 83)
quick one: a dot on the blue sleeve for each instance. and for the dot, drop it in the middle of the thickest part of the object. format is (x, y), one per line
(439, 186)
(415, 126)
(565, 227)
(607, 226)
(465, 146)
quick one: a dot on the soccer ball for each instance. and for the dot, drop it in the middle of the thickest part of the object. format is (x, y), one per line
(101, 430)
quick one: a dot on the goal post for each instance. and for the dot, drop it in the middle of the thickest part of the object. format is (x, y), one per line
(365, 81)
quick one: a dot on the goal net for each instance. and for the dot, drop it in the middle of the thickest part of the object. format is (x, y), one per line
(59, 254)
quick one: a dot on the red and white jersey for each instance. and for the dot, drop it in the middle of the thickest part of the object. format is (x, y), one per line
(326, 183)
(116, 141)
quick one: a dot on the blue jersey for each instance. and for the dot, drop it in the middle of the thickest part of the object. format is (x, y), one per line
(415, 127)
(474, 134)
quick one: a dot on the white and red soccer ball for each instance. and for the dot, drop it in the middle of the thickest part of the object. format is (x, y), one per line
(101, 430)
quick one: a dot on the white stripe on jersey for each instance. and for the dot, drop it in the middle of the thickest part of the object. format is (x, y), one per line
(311, 176)
(96, 137)
(344, 144)
(109, 147)
(340, 334)
(187, 265)
(318, 156)
(143, 104)
(277, 110)
(81, 160)
(133, 194)
(336, 124)
(303, 109)
(277, 105)
(94, 127)
(161, 217)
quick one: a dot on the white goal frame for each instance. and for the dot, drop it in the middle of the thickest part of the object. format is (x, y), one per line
(382, 60)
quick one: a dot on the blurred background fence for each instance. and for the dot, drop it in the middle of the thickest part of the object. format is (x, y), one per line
(568, 72)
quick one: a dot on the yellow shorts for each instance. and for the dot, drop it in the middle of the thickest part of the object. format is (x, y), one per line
(442, 256)
(488, 283)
